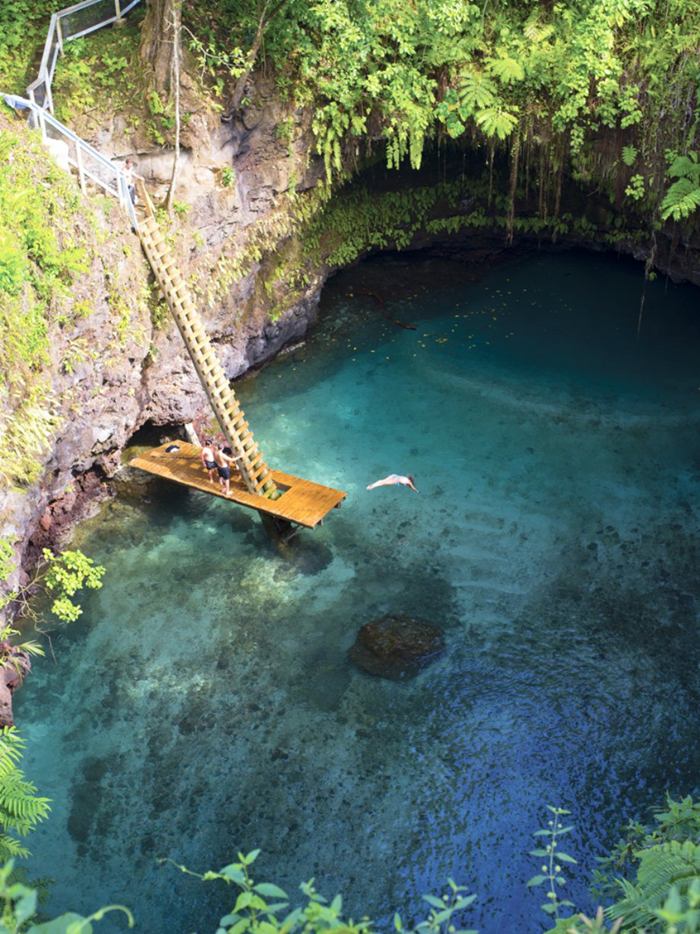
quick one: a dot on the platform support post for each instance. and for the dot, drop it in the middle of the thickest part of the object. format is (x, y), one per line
(279, 530)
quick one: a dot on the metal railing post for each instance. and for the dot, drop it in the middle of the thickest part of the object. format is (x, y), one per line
(79, 162)
(48, 100)
(59, 34)
(117, 9)
(42, 123)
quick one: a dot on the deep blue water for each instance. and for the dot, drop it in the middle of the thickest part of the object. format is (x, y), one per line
(205, 702)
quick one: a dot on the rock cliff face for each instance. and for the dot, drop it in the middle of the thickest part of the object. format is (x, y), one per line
(130, 371)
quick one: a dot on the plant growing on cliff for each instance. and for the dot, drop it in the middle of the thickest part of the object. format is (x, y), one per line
(656, 870)
(63, 575)
(683, 197)
(60, 577)
(21, 808)
(538, 82)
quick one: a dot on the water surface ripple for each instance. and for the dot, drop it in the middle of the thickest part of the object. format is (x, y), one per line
(205, 702)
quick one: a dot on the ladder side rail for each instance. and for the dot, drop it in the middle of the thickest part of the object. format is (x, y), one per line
(222, 415)
(204, 355)
(143, 194)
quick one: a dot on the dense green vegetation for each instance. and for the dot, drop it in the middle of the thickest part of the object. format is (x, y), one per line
(40, 256)
(604, 88)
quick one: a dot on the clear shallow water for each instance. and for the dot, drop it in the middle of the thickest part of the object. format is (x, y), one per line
(205, 703)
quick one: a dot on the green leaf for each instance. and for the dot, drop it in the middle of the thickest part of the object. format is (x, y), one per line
(507, 69)
(537, 880)
(269, 890)
(564, 858)
(233, 873)
(434, 901)
(629, 155)
(495, 121)
(539, 852)
(398, 924)
(243, 901)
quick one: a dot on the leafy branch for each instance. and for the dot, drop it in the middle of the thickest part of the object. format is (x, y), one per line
(551, 870)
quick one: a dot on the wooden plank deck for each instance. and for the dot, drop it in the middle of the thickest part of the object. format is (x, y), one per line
(302, 502)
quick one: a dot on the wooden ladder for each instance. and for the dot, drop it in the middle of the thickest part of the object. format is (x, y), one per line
(255, 472)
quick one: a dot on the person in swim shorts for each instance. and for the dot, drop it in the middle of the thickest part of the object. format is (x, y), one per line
(208, 459)
(224, 462)
(395, 479)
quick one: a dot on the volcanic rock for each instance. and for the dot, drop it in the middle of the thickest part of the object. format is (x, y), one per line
(396, 646)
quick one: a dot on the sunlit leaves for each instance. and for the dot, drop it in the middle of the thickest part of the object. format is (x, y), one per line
(65, 574)
(683, 197)
(506, 69)
(476, 91)
(496, 122)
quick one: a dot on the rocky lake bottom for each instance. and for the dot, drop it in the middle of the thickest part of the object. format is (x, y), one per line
(205, 702)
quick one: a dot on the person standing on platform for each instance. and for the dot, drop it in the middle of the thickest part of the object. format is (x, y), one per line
(208, 459)
(223, 467)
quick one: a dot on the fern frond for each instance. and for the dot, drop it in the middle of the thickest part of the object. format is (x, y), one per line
(10, 848)
(506, 69)
(681, 200)
(476, 91)
(686, 166)
(660, 868)
(496, 122)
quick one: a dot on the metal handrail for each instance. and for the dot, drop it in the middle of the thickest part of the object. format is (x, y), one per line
(81, 155)
(89, 163)
(58, 34)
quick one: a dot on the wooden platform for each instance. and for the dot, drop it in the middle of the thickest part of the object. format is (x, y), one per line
(302, 502)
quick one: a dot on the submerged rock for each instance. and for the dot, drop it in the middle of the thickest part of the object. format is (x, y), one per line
(396, 646)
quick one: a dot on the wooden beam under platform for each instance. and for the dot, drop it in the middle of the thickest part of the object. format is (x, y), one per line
(302, 502)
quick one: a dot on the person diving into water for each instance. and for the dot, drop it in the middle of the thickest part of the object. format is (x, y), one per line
(394, 479)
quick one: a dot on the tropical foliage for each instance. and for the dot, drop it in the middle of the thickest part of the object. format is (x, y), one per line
(21, 808)
(19, 910)
(59, 577)
(527, 77)
(653, 872)
(264, 908)
(39, 259)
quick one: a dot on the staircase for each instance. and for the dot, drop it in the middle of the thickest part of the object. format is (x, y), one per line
(254, 471)
(304, 504)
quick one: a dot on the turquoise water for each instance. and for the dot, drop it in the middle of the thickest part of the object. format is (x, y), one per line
(205, 703)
